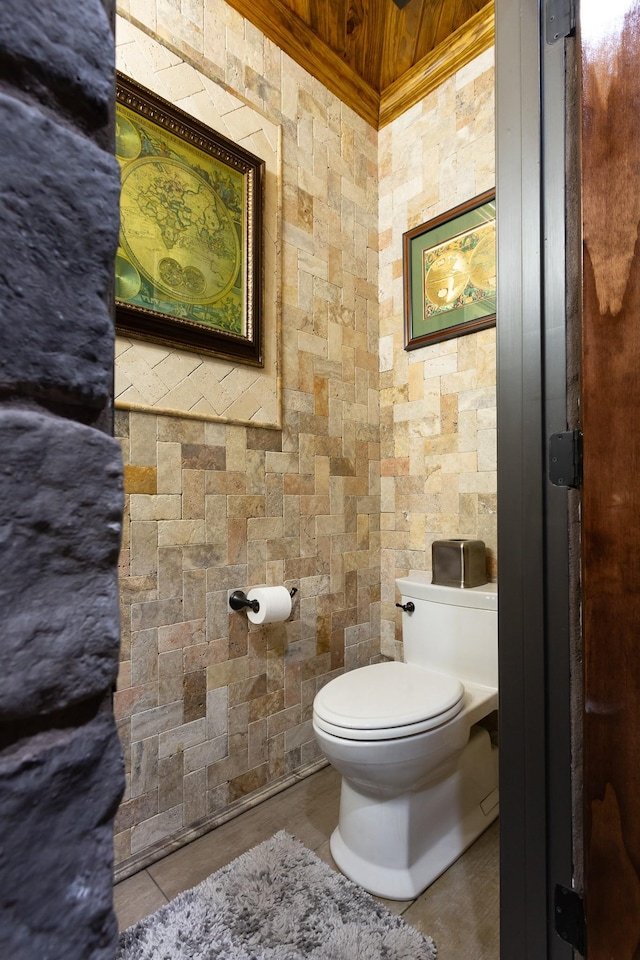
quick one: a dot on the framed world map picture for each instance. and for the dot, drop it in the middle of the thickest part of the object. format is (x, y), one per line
(449, 268)
(188, 268)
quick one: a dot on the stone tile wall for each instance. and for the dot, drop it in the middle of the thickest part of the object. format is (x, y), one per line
(212, 713)
(149, 375)
(437, 403)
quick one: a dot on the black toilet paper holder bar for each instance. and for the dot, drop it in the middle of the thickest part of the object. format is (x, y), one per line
(238, 600)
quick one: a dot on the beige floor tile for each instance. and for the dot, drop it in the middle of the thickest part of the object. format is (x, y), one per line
(308, 810)
(396, 906)
(460, 910)
(314, 815)
(135, 898)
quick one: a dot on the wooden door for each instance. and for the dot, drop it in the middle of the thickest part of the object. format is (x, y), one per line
(610, 57)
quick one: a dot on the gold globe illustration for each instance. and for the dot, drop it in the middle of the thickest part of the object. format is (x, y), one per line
(446, 278)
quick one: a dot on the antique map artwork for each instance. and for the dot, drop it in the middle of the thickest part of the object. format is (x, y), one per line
(181, 233)
(449, 271)
(460, 271)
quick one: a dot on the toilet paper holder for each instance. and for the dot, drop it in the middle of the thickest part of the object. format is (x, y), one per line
(238, 600)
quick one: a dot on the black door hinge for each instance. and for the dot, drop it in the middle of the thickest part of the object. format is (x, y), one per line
(569, 918)
(560, 21)
(565, 458)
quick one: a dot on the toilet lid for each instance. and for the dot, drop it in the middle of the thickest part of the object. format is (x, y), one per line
(387, 700)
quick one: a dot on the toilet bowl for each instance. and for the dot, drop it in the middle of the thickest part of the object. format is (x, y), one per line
(419, 775)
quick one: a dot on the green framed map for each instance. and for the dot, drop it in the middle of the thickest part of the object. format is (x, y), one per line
(188, 267)
(449, 268)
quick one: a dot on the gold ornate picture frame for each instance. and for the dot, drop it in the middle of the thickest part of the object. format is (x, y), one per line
(449, 270)
(189, 263)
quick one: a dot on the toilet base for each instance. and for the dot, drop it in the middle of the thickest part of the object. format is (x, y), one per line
(395, 847)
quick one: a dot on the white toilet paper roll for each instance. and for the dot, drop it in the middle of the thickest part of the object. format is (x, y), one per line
(275, 604)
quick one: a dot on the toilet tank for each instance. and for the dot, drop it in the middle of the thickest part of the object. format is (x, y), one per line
(451, 630)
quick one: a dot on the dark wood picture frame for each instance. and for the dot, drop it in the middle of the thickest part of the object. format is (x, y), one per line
(189, 262)
(449, 273)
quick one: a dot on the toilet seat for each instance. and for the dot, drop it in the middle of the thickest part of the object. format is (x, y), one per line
(385, 701)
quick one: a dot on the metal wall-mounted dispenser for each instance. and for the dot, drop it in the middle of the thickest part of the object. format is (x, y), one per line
(459, 563)
(239, 600)
(264, 604)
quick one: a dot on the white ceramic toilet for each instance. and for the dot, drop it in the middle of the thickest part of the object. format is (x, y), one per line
(419, 777)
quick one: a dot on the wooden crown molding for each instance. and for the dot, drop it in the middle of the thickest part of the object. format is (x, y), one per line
(298, 41)
(468, 42)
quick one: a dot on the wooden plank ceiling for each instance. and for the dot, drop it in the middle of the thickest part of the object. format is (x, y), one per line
(378, 58)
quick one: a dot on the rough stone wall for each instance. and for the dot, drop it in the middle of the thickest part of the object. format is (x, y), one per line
(60, 481)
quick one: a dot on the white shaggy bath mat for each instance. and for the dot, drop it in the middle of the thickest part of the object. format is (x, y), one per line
(278, 901)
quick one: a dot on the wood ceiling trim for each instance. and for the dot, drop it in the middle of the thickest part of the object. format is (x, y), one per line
(470, 40)
(296, 39)
(292, 35)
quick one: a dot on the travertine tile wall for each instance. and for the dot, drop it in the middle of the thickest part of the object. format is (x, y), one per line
(437, 403)
(149, 375)
(212, 713)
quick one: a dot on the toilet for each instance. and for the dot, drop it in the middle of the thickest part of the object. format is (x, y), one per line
(419, 771)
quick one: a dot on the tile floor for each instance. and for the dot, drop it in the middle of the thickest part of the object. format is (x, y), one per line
(460, 910)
